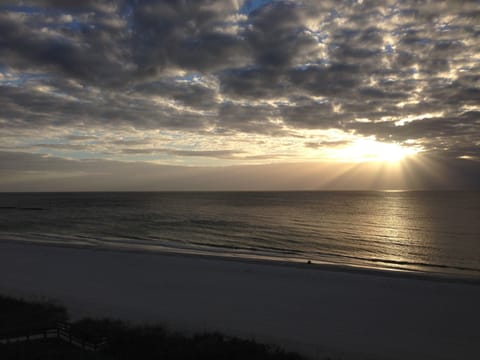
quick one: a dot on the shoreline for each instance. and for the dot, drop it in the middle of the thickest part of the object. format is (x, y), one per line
(316, 310)
(258, 259)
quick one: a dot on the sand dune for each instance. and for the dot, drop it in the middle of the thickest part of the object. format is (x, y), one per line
(313, 309)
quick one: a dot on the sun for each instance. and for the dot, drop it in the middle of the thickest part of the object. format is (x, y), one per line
(371, 150)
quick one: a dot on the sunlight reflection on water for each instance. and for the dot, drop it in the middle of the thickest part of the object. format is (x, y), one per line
(423, 231)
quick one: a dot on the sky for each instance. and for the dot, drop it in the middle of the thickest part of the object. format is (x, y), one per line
(239, 95)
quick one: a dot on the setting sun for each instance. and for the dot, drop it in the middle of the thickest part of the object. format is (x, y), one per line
(372, 150)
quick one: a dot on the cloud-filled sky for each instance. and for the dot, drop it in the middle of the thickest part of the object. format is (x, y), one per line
(206, 83)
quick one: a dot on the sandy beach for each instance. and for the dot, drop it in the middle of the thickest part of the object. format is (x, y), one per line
(312, 309)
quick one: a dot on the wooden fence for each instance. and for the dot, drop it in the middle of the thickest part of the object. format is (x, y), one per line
(61, 331)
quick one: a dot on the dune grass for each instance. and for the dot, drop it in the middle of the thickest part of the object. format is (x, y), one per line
(122, 340)
(125, 341)
(17, 315)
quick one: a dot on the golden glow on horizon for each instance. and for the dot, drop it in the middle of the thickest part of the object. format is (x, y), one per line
(370, 149)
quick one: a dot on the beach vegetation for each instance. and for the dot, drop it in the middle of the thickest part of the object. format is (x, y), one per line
(18, 315)
(116, 339)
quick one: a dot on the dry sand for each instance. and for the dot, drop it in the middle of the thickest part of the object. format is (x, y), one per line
(313, 309)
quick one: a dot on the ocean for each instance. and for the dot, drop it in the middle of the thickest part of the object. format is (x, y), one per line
(419, 231)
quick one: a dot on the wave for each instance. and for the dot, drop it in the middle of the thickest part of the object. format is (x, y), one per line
(408, 263)
(22, 208)
(404, 232)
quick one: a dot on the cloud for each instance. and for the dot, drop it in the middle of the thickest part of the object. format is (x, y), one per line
(398, 70)
(62, 146)
(194, 36)
(319, 144)
(277, 35)
(221, 154)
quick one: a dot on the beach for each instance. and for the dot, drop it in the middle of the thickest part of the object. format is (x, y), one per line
(314, 309)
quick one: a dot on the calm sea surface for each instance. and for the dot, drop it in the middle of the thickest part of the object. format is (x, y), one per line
(434, 232)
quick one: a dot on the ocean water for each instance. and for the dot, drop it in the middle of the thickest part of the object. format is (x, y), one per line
(432, 232)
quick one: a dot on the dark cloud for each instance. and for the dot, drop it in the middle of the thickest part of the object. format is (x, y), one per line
(319, 144)
(80, 137)
(307, 113)
(465, 125)
(397, 70)
(220, 154)
(129, 142)
(83, 49)
(336, 80)
(248, 118)
(196, 95)
(62, 146)
(277, 35)
(194, 35)
(254, 83)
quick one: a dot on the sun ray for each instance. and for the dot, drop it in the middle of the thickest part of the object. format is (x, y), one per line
(376, 164)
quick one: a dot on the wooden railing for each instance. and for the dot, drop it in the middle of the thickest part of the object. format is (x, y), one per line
(61, 331)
